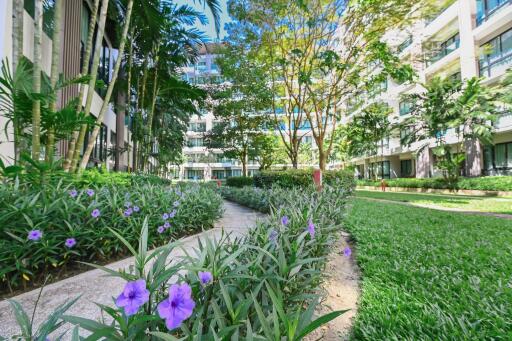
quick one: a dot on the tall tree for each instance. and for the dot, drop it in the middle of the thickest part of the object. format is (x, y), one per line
(110, 89)
(36, 79)
(17, 49)
(466, 109)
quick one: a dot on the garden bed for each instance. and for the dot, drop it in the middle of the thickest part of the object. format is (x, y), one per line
(46, 231)
(461, 192)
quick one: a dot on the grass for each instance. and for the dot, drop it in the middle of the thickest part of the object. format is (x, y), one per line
(468, 203)
(431, 275)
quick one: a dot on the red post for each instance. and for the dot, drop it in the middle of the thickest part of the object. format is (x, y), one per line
(317, 179)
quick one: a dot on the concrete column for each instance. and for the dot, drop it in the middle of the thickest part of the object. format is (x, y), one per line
(468, 61)
(474, 158)
(423, 163)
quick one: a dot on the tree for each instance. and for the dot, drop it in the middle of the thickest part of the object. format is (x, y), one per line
(266, 150)
(36, 79)
(467, 108)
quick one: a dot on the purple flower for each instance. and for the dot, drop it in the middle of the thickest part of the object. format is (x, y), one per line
(172, 214)
(178, 306)
(311, 228)
(136, 208)
(35, 235)
(95, 213)
(176, 203)
(127, 204)
(167, 225)
(273, 236)
(73, 193)
(179, 193)
(90, 192)
(160, 229)
(70, 242)
(165, 216)
(134, 295)
(285, 220)
(128, 212)
(347, 251)
(205, 277)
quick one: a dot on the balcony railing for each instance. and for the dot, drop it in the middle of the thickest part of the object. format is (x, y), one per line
(405, 44)
(488, 8)
(492, 67)
(445, 49)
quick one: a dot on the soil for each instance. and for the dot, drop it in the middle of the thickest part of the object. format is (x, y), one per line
(340, 291)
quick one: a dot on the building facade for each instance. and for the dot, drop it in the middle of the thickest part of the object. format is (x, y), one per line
(75, 23)
(454, 43)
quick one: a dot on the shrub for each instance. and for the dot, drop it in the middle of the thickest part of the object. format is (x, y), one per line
(264, 284)
(301, 178)
(255, 198)
(62, 212)
(239, 181)
(487, 183)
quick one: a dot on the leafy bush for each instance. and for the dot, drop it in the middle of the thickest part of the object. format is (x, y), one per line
(255, 198)
(261, 287)
(97, 177)
(302, 178)
(65, 216)
(239, 181)
(487, 183)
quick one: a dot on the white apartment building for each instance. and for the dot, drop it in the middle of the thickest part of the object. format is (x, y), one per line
(200, 162)
(460, 33)
(75, 23)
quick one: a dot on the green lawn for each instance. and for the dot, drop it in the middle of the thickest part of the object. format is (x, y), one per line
(469, 203)
(431, 275)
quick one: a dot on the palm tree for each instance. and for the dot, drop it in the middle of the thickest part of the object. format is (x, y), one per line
(17, 47)
(36, 107)
(54, 75)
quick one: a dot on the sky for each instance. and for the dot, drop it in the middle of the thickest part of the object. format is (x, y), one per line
(210, 28)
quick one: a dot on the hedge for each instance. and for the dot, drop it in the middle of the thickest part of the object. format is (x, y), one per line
(239, 181)
(486, 183)
(302, 178)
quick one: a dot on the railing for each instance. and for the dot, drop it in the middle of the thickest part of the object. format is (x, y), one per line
(405, 44)
(484, 14)
(443, 52)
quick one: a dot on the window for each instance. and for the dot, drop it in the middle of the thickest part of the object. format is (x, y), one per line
(497, 56)
(406, 135)
(380, 170)
(498, 156)
(405, 107)
(307, 139)
(197, 126)
(218, 174)
(406, 169)
(195, 142)
(195, 174)
(236, 172)
(48, 6)
(487, 8)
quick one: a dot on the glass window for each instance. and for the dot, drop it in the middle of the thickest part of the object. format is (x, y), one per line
(195, 174)
(405, 107)
(500, 155)
(497, 55)
(406, 168)
(488, 158)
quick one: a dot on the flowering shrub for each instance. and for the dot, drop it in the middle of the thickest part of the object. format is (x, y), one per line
(51, 228)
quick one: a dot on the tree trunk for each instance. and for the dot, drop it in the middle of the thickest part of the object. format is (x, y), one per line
(152, 109)
(84, 71)
(36, 81)
(121, 113)
(92, 81)
(54, 75)
(128, 91)
(322, 160)
(17, 48)
(110, 88)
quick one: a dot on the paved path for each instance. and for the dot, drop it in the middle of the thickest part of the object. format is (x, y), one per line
(441, 208)
(94, 287)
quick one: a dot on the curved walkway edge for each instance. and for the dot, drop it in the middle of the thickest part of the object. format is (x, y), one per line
(94, 286)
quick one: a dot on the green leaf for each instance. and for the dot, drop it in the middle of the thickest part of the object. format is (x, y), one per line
(319, 322)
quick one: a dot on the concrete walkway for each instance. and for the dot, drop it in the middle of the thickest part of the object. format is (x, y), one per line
(441, 208)
(95, 287)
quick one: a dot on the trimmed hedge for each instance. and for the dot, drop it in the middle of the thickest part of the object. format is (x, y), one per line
(302, 178)
(486, 183)
(239, 181)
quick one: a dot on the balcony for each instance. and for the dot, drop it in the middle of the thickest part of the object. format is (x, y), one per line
(487, 9)
(405, 44)
(498, 56)
(445, 48)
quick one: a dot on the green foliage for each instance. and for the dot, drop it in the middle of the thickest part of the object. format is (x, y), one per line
(430, 275)
(262, 288)
(53, 210)
(253, 197)
(486, 183)
(239, 181)
(302, 178)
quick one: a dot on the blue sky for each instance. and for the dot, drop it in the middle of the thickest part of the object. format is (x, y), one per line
(210, 28)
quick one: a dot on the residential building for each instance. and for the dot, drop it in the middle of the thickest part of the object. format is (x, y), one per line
(467, 38)
(75, 19)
